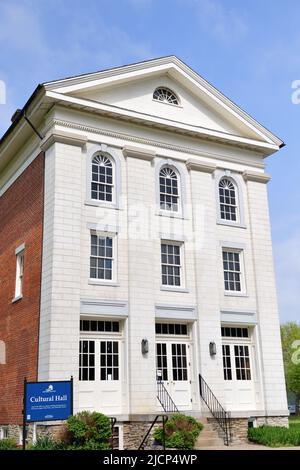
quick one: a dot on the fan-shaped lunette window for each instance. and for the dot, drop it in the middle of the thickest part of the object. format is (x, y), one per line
(165, 95)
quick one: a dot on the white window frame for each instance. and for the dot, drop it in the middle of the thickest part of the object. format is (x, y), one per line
(108, 157)
(182, 286)
(104, 336)
(179, 204)
(178, 104)
(111, 153)
(19, 283)
(182, 206)
(114, 280)
(232, 341)
(237, 182)
(240, 251)
(3, 431)
(236, 206)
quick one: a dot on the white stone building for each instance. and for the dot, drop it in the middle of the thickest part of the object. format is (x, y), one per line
(157, 253)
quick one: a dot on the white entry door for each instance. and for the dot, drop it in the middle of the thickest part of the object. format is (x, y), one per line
(174, 369)
(238, 376)
(100, 375)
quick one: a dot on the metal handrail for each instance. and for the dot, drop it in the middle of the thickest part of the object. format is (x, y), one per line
(164, 420)
(218, 412)
(165, 398)
(113, 421)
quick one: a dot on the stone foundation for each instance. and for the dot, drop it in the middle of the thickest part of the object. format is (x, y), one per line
(239, 426)
(239, 430)
(133, 433)
(273, 421)
(13, 431)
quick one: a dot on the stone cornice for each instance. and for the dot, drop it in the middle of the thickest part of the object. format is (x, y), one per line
(137, 152)
(200, 166)
(62, 137)
(256, 176)
(153, 143)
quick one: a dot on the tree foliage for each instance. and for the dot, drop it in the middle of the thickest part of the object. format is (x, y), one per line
(290, 337)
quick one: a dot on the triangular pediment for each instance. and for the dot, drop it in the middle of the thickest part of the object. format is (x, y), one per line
(129, 89)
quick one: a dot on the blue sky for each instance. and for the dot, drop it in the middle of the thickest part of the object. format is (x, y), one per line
(248, 50)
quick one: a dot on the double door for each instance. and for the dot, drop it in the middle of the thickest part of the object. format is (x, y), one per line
(173, 368)
(100, 375)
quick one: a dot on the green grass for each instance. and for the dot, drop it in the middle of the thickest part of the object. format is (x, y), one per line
(275, 436)
(294, 422)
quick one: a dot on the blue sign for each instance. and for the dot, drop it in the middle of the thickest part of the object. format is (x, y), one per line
(48, 401)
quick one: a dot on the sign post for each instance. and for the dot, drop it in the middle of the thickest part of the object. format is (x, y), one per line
(47, 401)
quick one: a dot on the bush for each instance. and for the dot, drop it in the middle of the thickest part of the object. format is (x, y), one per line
(8, 444)
(275, 436)
(47, 443)
(181, 432)
(90, 431)
(84, 431)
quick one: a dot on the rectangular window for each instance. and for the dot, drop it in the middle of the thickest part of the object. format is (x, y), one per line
(86, 360)
(4, 432)
(101, 260)
(232, 270)
(179, 362)
(242, 362)
(233, 332)
(171, 264)
(226, 362)
(19, 273)
(109, 360)
(161, 361)
(99, 325)
(171, 329)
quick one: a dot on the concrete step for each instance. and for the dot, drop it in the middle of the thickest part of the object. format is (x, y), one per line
(208, 442)
(207, 434)
(208, 437)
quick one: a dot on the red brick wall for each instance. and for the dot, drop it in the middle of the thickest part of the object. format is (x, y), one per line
(21, 221)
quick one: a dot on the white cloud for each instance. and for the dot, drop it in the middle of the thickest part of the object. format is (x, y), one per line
(45, 54)
(287, 266)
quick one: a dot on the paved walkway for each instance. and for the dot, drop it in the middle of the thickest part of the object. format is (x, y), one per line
(248, 447)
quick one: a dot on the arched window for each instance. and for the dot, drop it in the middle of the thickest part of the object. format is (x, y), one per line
(165, 95)
(102, 184)
(169, 189)
(228, 200)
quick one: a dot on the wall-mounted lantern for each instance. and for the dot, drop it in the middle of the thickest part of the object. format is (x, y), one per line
(212, 348)
(145, 346)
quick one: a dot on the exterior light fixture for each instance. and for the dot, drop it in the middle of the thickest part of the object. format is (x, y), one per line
(212, 348)
(145, 346)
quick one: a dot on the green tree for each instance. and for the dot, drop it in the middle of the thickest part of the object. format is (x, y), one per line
(290, 337)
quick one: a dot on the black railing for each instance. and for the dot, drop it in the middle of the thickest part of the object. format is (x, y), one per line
(165, 399)
(145, 438)
(218, 412)
(113, 421)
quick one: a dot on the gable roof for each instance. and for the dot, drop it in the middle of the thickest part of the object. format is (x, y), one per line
(65, 91)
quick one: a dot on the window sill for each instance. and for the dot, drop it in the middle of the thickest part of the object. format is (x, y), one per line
(168, 104)
(174, 289)
(235, 294)
(106, 205)
(170, 215)
(15, 299)
(230, 224)
(100, 282)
